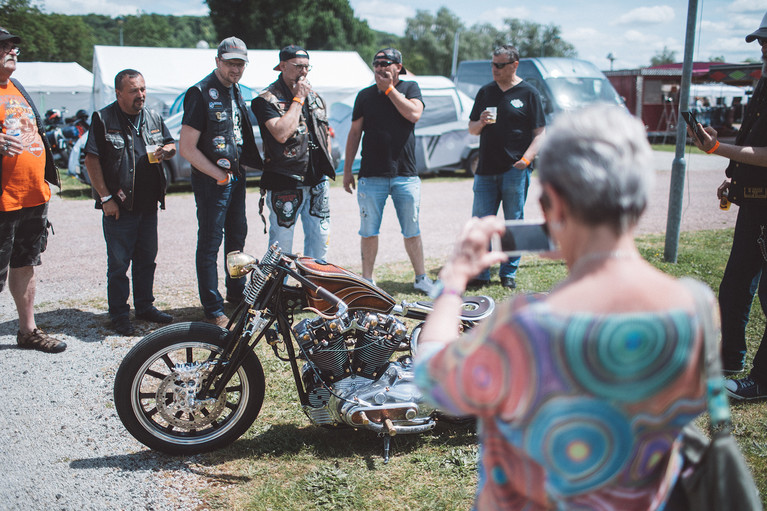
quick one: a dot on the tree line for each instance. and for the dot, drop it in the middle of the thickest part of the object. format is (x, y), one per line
(427, 44)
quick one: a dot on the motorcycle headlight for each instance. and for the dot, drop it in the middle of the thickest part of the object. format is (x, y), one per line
(239, 264)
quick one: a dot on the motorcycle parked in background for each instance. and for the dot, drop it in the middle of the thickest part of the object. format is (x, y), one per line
(63, 133)
(192, 387)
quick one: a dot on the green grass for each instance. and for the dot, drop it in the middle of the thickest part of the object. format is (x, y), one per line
(283, 462)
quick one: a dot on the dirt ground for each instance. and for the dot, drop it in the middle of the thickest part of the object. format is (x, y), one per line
(74, 266)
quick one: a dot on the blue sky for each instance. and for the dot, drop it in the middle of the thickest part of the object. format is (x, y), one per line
(633, 31)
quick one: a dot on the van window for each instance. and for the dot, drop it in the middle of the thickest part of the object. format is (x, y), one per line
(472, 75)
(438, 110)
(575, 92)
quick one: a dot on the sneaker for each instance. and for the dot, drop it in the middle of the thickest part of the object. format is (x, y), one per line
(39, 340)
(744, 389)
(155, 316)
(221, 321)
(509, 282)
(123, 326)
(424, 284)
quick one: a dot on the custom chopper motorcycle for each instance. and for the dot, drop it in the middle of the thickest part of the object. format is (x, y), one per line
(193, 387)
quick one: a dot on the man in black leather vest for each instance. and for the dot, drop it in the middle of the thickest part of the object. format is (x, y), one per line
(746, 187)
(217, 139)
(297, 161)
(127, 186)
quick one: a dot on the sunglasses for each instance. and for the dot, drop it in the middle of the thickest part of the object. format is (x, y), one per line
(501, 65)
(8, 47)
(382, 63)
(302, 67)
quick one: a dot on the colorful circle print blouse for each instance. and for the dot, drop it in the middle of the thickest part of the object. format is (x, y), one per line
(576, 410)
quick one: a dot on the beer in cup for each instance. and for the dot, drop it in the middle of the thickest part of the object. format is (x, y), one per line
(493, 111)
(150, 150)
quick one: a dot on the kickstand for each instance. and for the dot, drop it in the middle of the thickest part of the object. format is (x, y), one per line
(387, 441)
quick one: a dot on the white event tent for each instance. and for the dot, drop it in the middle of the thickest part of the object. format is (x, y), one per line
(169, 72)
(66, 86)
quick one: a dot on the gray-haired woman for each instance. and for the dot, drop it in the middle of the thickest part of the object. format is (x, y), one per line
(580, 393)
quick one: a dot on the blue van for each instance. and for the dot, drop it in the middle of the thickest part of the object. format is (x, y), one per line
(564, 84)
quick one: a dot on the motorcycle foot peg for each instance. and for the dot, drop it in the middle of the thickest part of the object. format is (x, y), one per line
(390, 427)
(364, 419)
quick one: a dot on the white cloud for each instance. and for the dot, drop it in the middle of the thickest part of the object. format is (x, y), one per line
(747, 6)
(646, 16)
(116, 8)
(385, 16)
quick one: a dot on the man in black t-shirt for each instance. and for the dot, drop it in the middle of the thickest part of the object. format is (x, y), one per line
(509, 136)
(297, 162)
(127, 187)
(387, 112)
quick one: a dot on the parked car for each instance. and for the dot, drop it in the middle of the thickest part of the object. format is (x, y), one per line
(442, 134)
(564, 84)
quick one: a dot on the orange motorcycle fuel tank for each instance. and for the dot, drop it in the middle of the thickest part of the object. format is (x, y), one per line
(355, 291)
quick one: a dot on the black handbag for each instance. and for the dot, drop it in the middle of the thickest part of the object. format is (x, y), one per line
(714, 475)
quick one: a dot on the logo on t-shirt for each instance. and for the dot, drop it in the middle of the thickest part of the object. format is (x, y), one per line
(517, 103)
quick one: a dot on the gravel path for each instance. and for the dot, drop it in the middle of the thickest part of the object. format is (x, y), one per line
(63, 446)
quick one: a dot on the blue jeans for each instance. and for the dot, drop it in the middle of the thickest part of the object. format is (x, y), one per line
(220, 216)
(405, 192)
(131, 241)
(311, 203)
(509, 188)
(741, 280)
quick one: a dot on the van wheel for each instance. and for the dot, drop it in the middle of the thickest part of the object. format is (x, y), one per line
(471, 163)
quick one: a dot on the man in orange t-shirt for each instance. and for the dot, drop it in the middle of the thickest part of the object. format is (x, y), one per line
(26, 167)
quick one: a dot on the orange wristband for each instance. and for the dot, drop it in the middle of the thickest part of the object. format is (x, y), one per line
(298, 100)
(225, 180)
(716, 146)
(387, 91)
(527, 162)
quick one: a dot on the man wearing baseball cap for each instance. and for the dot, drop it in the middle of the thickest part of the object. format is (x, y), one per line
(26, 168)
(387, 112)
(297, 161)
(746, 186)
(217, 139)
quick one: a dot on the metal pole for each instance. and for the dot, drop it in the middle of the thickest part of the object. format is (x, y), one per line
(455, 55)
(679, 167)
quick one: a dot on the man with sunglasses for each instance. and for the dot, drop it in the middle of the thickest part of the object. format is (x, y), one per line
(387, 112)
(217, 139)
(297, 161)
(26, 168)
(508, 143)
(746, 186)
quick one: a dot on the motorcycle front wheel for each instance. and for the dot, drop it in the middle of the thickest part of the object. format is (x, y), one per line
(156, 386)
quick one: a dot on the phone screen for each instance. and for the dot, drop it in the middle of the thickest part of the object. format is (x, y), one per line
(692, 122)
(522, 237)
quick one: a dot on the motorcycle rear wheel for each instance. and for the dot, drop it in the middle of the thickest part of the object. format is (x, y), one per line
(154, 391)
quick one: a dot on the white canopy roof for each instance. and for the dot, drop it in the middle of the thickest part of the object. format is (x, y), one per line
(171, 71)
(61, 85)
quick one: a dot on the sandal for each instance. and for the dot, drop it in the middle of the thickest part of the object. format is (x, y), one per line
(39, 340)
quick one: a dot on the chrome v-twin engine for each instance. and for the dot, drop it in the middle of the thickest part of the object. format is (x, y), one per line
(350, 380)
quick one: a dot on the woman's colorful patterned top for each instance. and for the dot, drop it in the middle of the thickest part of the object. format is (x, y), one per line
(576, 410)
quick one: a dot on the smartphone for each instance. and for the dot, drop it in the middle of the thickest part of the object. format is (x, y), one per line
(692, 122)
(523, 236)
